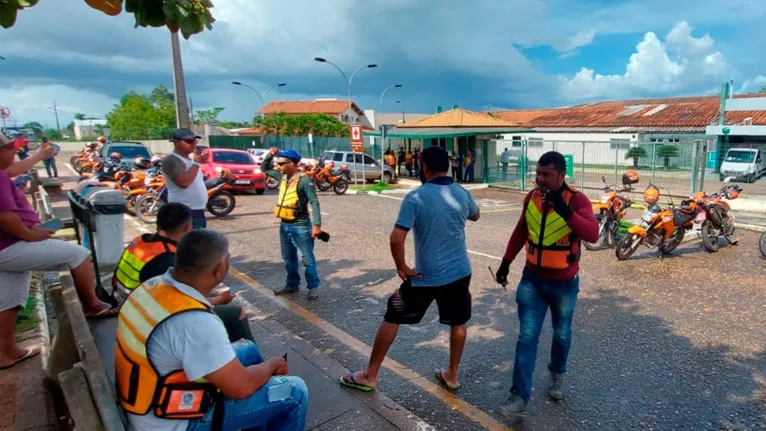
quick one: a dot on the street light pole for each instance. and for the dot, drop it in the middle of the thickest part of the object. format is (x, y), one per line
(265, 92)
(382, 126)
(350, 103)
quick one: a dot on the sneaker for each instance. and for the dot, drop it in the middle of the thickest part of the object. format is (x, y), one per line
(513, 408)
(556, 386)
(313, 293)
(285, 291)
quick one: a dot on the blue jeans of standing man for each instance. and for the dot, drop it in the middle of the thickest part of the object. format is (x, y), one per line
(534, 296)
(469, 174)
(198, 219)
(294, 237)
(287, 411)
(50, 167)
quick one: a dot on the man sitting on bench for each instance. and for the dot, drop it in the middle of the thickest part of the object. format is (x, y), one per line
(153, 254)
(175, 369)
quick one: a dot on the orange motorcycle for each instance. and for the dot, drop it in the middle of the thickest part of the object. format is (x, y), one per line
(609, 211)
(327, 177)
(89, 152)
(715, 217)
(663, 228)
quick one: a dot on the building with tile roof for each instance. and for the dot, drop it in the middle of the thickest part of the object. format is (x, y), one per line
(345, 111)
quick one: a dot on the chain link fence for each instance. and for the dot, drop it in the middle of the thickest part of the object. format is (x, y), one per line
(675, 165)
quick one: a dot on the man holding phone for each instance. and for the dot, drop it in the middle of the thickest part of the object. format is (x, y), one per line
(50, 163)
(182, 170)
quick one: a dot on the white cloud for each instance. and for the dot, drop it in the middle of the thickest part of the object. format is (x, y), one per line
(681, 62)
(33, 103)
(753, 84)
(578, 40)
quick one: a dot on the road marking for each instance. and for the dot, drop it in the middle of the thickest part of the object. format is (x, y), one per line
(500, 210)
(388, 197)
(449, 399)
(484, 255)
(323, 213)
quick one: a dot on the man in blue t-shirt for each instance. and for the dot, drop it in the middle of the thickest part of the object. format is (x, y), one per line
(436, 213)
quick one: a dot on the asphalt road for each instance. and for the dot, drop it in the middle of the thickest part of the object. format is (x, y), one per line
(674, 343)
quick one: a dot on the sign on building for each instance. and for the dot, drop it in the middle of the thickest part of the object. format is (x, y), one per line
(357, 141)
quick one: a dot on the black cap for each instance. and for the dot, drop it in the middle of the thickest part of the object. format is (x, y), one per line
(183, 134)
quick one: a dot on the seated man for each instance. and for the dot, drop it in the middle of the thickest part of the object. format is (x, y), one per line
(24, 248)
(174, 366)
(151, 255)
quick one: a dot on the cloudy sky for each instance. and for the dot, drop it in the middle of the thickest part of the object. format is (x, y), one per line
(479, 53)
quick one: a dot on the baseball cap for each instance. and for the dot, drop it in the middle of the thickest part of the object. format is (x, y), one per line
(184, 134)
(290, 154)
(12, 144)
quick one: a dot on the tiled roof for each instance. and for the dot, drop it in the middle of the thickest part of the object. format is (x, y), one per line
(677, 112)
(458, 118)
(332, 107)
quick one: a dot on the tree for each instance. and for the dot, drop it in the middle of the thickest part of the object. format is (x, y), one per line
(140, 116)
(52, 134)
(763, 89)
(234, 124)
(279, 124)
(667, 151)
(635, 153)
(208, 116)
(33, 125)
(79, 116)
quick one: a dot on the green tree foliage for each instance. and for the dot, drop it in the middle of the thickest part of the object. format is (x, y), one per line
(139, 116)
(208, 116)
(52, 134)
(636, 153)
(279, 124)
(667, 151)
(233, 124)
(79, 116)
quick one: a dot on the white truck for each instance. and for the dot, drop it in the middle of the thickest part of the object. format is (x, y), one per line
(743, 165)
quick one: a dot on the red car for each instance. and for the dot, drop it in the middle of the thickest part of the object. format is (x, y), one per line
(241, 164)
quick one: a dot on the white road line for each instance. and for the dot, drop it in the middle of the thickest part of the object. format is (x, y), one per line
(323, 213)
(388, 197)
(484, 255)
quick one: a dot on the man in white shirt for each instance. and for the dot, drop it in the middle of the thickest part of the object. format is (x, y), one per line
(256, 393)
(505, 156)
(183, 175)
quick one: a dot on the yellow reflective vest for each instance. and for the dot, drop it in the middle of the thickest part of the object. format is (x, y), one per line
(288, 201)
(549, 238)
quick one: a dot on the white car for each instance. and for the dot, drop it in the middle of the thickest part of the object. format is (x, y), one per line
(258, 154)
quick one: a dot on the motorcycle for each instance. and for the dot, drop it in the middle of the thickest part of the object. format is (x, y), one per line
(715, 217)
(326, 177)
(661, 228)
(609, 211)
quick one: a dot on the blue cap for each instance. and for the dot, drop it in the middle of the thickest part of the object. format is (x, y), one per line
(290, 154)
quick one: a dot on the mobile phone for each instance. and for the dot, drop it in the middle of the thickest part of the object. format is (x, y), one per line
(54, 224)
(324, 236)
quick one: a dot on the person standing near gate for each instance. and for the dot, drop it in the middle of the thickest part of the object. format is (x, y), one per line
(505, 156)
(556, 217)
(298, 229)
(183, 175)
(50, 164)
(469, 167)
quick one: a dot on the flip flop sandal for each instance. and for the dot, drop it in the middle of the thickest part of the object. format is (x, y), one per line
(353, 384)
(31, 353)
(441, 380)
(107, 313)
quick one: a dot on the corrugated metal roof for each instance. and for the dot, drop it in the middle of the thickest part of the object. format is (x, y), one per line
(459, 118)
(436, 132)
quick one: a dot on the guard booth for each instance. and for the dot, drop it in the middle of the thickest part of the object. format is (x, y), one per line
(458, 131)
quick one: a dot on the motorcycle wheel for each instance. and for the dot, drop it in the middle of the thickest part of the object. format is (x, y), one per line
(73, 159)
(147, 207)
(221, 203)
(602, 239)
(340, 187)
(323, 186)
(710, 238)
(272, 183)
(762, 245)
(627, 246)
(674, 241)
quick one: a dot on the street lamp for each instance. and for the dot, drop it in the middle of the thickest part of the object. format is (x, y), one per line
(265, 92)
(348, 80)
(386, 90)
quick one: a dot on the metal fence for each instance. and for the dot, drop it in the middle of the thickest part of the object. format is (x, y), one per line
(301, 144)
(676, 167)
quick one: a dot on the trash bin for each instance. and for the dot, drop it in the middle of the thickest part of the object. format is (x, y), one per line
(107, 207)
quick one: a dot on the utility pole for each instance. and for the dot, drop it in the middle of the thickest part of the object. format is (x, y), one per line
(179, 85)
(56, 111)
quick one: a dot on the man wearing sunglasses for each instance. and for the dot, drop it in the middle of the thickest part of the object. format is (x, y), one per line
(298, 228)
(183, 175)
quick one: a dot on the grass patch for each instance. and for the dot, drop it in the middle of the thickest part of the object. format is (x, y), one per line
(377, 187)
(27, 318)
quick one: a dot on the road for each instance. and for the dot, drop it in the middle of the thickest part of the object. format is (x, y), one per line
(658, 344)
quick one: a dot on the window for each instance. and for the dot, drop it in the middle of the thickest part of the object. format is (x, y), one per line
(656, 140)
(368, 160)
(337, 157)
(349, 158)
(233, 157)
(516, 141)
(619, 144)
(674, 140)
(358, 158)
(128, 152)
(535, 142)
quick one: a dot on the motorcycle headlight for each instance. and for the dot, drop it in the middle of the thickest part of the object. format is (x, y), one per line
(604, 200)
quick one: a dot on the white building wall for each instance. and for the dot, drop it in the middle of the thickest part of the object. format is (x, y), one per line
(594, 148)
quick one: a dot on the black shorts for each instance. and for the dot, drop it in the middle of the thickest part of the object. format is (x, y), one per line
(409, 304)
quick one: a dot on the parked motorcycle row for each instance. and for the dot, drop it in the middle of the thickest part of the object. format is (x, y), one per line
(143, 185)
(664, 228)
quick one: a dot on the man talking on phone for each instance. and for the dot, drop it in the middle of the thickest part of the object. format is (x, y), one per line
(555, 218)
(182, 169)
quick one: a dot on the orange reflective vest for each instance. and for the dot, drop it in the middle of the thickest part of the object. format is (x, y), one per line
(139, 252)
(288, 200)
(140, 389)
(549, 238)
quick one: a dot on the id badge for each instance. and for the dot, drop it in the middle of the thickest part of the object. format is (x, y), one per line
(183, 401)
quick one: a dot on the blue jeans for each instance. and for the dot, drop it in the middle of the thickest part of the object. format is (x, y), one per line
(198, 219)
(469, 174)
(256, 412)
(533, 296)
(294, 237)
(50, 167)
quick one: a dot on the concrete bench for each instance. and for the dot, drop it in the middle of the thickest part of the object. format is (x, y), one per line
(75, 364)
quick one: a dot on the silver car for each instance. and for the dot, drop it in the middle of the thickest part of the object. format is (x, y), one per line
(355, 161)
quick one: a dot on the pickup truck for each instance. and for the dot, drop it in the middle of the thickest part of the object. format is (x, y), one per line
(743, 164)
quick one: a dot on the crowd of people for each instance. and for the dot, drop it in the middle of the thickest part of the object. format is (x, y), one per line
(461, 167)
(186, 357)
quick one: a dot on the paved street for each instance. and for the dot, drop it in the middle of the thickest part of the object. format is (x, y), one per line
(658, 344)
